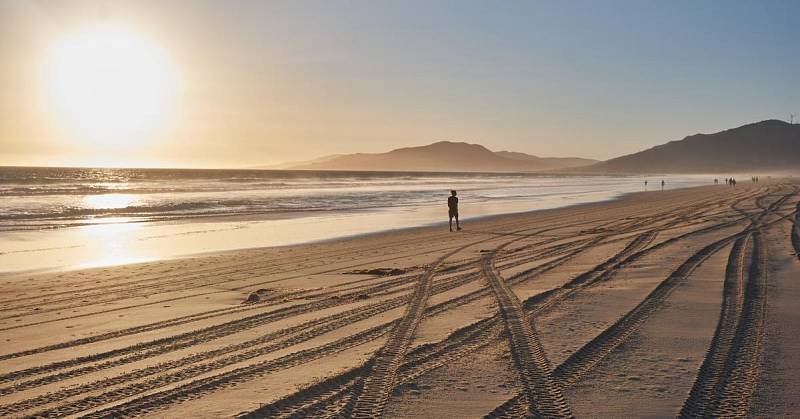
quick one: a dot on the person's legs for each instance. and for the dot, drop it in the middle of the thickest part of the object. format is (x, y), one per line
(458, 227)
(451, 222)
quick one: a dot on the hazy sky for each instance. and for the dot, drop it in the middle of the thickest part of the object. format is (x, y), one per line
(261, 82)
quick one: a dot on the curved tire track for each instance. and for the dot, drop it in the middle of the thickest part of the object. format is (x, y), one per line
(542, 393)
(424, 358)
(591, 354)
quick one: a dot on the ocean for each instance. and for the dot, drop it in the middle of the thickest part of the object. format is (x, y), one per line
(46, 211)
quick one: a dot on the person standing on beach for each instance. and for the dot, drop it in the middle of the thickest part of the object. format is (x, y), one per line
(452, 205)
(645, 185)
(662, 185)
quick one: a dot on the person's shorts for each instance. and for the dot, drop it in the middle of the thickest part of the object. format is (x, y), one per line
(453, 213)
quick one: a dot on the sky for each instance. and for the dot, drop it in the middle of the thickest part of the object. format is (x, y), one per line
(247, 83)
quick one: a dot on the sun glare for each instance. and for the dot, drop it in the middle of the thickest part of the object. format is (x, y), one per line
(109, 85)
(109, 201)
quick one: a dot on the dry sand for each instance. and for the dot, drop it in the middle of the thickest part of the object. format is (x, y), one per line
(659, 304)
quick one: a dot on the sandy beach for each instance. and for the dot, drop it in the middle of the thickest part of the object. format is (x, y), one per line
(658, 304)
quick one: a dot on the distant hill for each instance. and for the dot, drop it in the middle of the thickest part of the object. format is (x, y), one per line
(442, 156)
(770, 145)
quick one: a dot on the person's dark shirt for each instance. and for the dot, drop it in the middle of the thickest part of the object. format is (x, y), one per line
(452, 203)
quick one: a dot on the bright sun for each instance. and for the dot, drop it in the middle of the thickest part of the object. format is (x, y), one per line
(110, 85)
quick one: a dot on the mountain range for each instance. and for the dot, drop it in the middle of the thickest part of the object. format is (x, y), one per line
(442, 156)
(766, 146)
(770, 145)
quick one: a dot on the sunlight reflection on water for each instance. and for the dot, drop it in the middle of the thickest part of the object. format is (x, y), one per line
(110, 201)
(107, 243)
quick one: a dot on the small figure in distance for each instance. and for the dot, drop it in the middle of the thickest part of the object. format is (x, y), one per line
(645, 185)
(662, 185)
(452, 205)
(716, 181)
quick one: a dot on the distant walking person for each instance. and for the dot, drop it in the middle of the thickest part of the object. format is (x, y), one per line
(452, 205)
(645, 185)
(662, 185)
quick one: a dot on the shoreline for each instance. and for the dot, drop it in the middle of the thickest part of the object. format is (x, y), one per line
(327, 240)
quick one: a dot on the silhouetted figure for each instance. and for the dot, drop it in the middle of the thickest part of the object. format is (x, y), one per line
(452, 205)
(716, 181)
(733, 182)
(645, 185)
(662, 185)
(727, 181)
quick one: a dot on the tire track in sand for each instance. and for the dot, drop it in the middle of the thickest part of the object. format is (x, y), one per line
(187, 338)
(317, 400)
(196, 388)
(373, 394)
(542, 393)
(262, 345)
(592, 353)
(577, 365)
(416, 309)
(727, 378)
(312, 400)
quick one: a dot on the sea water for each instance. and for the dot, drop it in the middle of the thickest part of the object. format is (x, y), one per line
(78, 217)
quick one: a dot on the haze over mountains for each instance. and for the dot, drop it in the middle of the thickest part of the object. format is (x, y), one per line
(442, 156)
(764, 146)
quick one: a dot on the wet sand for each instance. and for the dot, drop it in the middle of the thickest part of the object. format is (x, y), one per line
(657, 304)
